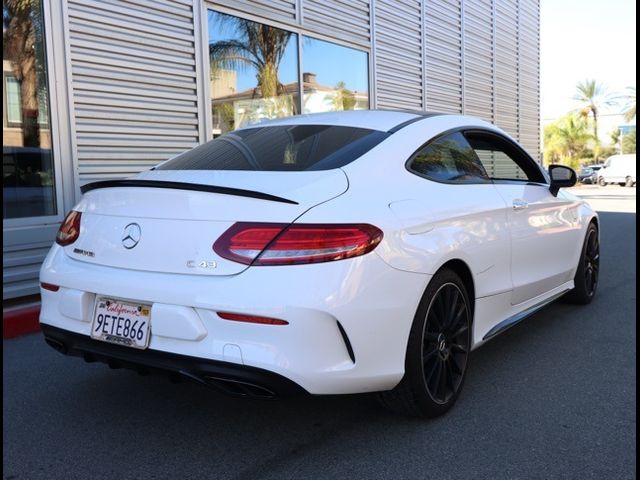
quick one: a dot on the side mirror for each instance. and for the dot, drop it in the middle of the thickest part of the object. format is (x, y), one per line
(561, 177)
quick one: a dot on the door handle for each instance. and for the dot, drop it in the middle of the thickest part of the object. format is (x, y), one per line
(520, 204)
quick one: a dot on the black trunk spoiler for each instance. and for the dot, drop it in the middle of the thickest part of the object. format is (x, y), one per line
(184, 186)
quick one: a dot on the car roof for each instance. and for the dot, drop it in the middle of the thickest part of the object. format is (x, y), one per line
(383, 120)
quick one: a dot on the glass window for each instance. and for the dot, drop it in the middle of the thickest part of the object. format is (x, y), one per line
(334, 78)
(449, 159)
(254, 72)
(502, 160)
(280, 148)
(12, 90)
(27, 164)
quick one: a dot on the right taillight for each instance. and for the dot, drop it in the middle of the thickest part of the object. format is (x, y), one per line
(283, 244)
(70, 229)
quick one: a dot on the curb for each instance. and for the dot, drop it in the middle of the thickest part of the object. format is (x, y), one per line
(20, 321)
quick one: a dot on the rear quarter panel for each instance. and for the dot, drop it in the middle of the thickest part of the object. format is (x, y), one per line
(425, 223)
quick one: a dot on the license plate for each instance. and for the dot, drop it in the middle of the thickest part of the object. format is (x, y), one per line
(124, 323)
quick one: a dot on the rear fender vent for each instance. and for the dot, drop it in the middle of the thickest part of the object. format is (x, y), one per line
(347, 343)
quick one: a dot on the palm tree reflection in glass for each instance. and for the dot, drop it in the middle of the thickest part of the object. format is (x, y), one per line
(257, 47)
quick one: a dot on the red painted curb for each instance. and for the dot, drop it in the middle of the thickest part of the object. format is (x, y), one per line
(20, 321)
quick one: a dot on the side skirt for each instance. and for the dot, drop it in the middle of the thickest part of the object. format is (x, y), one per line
(518, 317)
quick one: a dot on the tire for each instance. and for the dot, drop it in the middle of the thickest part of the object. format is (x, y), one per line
(437, 352)
(628, 182)
(587, 273)
(602, 182)
(622, 184)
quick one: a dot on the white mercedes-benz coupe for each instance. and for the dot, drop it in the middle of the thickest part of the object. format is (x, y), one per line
(346, 252)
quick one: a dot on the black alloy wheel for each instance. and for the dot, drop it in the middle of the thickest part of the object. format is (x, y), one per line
(587, 275)
(438, 349)
(445, 343)
(591, 262)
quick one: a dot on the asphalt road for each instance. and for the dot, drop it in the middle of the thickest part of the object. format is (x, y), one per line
(554, 397)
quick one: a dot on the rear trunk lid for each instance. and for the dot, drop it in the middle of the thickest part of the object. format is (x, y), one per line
(167, 221)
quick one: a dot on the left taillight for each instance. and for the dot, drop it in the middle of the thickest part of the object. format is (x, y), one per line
(282, 244)
(70, 229)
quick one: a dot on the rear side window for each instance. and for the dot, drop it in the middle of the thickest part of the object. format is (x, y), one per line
(449, 158)
(280, 148)
(502, 160)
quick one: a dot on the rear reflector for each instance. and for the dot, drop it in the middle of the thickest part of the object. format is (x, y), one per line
(282, 244)
(240, 317)
(70, 229)
(49, 286)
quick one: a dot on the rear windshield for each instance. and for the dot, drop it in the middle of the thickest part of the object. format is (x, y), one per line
(280, 148)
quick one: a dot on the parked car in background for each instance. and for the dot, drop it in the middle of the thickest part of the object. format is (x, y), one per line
(620, 169)
(586, 174)
(589, 174)
(337, 253)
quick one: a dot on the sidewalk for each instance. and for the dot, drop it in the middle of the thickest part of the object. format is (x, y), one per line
(21, 317)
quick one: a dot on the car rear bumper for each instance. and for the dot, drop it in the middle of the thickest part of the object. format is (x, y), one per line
(227, 377)
(348, 321)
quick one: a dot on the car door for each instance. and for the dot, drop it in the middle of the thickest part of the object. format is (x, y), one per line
(545, 229)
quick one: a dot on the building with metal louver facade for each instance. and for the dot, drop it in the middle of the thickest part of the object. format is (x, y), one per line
(107, 88)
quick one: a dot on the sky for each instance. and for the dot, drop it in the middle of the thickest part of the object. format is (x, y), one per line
(583, 39)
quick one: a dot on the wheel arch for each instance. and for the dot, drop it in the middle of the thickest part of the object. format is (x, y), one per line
(461, 269)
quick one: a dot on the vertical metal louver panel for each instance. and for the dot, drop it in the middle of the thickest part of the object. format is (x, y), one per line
(133, 81)
(443, 55)
(342, 19)
(284, 10)
(529, 77)
(398, 54)
(506, 65)
(478, 59)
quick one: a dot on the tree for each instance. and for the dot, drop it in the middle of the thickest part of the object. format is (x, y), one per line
(629, 142)
(22, 26)
(566, 141)
(615, 136)
(261, 47)
(629, 108)
(343, 99)
(593, 97)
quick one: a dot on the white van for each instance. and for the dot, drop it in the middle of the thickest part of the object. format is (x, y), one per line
(620, 169)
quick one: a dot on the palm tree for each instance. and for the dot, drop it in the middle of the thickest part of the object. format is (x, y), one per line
(343, 98)
(261, 47)
(566, 140)
(629, 109)
(593, 97)
(22, 26)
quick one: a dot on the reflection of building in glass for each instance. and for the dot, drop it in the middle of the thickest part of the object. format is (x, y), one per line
(12, 130)
(265, 61)
(324, 98)
(248, 107)
(223, 82)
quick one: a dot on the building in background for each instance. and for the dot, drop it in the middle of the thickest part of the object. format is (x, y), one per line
(95, 90)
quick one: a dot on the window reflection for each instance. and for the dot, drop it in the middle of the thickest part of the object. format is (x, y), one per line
(254, 72)
(335, 78)
(27, 165)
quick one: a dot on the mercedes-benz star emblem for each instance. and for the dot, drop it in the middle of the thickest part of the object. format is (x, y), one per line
(131, 236)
